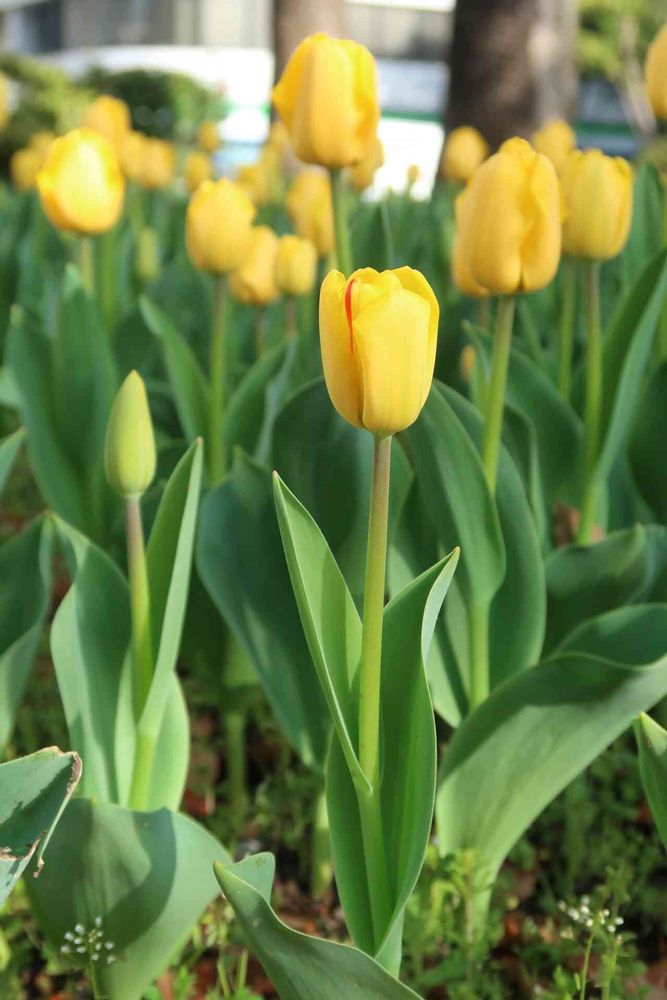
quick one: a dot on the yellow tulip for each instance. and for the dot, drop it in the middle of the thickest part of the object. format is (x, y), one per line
(218, 226)
(597, 202)
(413, 175)
(198, 168)
(41, 142)
(132, 153)
(465, 148)
(253, 283)
(81, 185)
(656, 74)
(208, 136)
(361, 175)
(24, 165)
(255, 180)
(327, 97)
(508, 224)
(378, 334)
(129, 451)
(110, 117)
(296, 265)
(158, 164)
(310, 207)
(555, 140)
(278, 137)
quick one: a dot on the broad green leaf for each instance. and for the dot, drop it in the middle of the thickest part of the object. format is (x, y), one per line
(408, 765)
(645, 237)
(328, 615)
(540, 729)
(33, 793)
(25, 599)
(241, 562)
(300, 967)
(249, 413)
(647, 443)
(9, 449)
(327, 463)
(190, 388)
(652, 746)
(146, 876)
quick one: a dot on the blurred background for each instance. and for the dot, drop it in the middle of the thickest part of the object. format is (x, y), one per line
(505, 66)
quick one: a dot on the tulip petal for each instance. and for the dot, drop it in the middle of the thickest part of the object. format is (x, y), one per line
(340, 363)
(540, 250)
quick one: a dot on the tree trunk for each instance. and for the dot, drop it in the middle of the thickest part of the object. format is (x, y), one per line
(511, 65)
(293, 20)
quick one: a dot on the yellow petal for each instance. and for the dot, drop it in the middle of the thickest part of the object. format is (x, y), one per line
(339, 359)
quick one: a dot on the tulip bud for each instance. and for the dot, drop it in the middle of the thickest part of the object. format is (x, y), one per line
(197, 169)
(253, 283)
(327, 97)
(378, 335)
(148, 255)
(412, 175)
(362, 174)
(110, 117)
(129, 453)
(41, 142)
(465, 148)
(208, 136)
(656, 74)
(597, 201)
(158, 164)
(508, 224)
(310, 207)
(555, 140)
(132, 153)
(296, 265)
(467, 363)
(218, 226)
(24, 165)
(81, 185)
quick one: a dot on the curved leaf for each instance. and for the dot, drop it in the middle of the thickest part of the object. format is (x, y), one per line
(652, 746)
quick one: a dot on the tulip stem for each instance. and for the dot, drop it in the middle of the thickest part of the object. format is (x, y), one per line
(493, 418)
(216, 458)
(593, 407)
(291, 324)
(341, 223)
(370, 688)
(479, 654)
(87, 263)
(566, 329)
(142, 649)
(235, 723)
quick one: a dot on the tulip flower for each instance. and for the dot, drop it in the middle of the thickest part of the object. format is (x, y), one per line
(361, 175)
(132, 152)
(110, 117)
(198, 168)
(129, 454)
(597, 201)
(378, 334)
(218, 226)
(412, 175)
(465, 148)
(81, 185)
(508, 224)
(41, 142)
(656, 74)
(158, 164)
(254, 280)
(555, 140)
(296, 265)
(208, 136)
(24, 165)
(327, 97)
(310, 207)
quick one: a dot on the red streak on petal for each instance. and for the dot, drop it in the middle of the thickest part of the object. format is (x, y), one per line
(348, 311)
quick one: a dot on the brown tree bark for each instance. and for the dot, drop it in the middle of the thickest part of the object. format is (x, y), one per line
(511, 65)
(293, 20)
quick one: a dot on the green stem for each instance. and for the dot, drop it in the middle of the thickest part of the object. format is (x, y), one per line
(484, 313)
(142, 648)
(493, 419)
(291, 325)
(566, 329)
(144, 756)
(479, 654)
(593, 407)
(260, 315)
(585, 966)
(216, 457)
(341, 224)
(87, 263)
(320, 863)
(369, 688)
(235, 723)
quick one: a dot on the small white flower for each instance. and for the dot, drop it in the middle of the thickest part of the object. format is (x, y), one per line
(79, 929)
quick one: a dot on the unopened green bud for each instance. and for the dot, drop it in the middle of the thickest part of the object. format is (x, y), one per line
(129, 453)
(148, 255)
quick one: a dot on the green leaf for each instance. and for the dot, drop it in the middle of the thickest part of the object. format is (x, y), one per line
(300, 967)
(249, 412)
(652, 746)
(25, 598)
(645, 237)
(408, 764)
(329, 617)
(646, 448)
(33, 793)
(188, 382)
(147, 876)
(540, 729)
(241, 562)
(9, 449)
